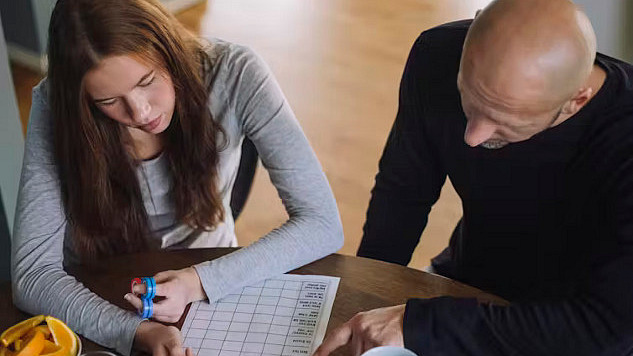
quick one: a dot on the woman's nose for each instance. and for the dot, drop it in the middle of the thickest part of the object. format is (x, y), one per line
(139, 109)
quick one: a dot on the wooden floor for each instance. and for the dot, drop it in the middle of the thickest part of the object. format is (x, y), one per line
(339, 63)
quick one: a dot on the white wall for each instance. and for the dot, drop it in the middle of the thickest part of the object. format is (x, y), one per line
(611, 22)
(26, 27)
(42, 10)
(11, 139)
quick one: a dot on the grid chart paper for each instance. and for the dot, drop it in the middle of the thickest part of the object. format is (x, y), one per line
(284, 316)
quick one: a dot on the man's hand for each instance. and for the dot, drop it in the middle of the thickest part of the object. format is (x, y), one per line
(378, 327)
(179, 288)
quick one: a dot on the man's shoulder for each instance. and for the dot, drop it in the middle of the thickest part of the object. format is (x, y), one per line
(440, 48)
(614, 107)
(445, 35)
(434, 61)
(450, 28)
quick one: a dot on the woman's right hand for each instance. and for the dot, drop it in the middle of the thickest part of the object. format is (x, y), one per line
(160, 340)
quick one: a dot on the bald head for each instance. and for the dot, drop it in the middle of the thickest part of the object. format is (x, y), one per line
(530, 55)
(549, 44)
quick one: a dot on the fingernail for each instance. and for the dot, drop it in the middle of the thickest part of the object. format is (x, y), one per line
(127, 296)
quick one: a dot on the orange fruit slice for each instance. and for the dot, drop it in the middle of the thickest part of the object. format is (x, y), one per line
(61, 352)
(51, 348)
(34, 346)
(62, 335)
(41, 328)
(45, 330)
(16, 331)
(5, 351)
(17, 345)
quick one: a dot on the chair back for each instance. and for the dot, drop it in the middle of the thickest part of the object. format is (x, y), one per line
(245, 176)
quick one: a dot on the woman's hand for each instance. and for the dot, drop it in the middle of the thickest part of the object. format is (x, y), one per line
(179, 288)
(160, 340)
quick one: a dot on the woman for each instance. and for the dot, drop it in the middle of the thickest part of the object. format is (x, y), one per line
(133, 143)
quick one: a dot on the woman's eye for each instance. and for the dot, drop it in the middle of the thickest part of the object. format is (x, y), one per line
(148, 83)
(108, 103)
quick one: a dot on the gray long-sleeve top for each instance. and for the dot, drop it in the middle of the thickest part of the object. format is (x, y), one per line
(246, 100)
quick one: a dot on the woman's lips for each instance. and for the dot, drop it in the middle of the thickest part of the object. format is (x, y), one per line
(152, 124)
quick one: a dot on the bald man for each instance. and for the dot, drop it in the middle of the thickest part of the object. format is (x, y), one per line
(535, 131)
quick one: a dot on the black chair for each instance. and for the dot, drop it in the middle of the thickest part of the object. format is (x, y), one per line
(244, 179)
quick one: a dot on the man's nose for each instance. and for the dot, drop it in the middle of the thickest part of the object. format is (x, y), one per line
(478, 131)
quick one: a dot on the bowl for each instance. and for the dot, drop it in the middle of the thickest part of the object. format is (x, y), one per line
(79, 346)
(389, 351)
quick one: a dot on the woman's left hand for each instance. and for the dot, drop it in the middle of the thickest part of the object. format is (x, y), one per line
(179, 288)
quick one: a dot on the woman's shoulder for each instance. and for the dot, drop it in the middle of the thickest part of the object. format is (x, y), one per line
(231, 59)
(40, 118)
(219, 49)
(40, 92)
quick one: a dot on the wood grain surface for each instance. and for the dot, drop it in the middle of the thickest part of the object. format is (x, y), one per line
(365, 284)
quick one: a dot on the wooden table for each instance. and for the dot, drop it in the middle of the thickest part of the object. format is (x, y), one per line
(365, 283)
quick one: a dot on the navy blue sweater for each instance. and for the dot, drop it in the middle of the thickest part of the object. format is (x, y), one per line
(547, 223)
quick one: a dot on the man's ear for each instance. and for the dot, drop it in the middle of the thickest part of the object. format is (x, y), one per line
(580, 99)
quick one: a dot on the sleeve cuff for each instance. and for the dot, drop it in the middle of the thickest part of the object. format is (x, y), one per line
(213, 285)
(427, 322)
(125, 344)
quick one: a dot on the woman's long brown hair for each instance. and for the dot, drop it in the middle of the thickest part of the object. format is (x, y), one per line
(101, 194)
